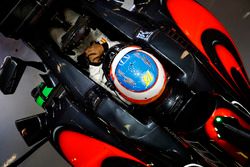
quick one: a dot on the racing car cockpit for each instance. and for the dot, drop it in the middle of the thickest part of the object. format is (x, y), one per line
(187, 95)
(131, 71)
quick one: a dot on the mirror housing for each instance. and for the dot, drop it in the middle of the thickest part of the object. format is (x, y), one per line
(33, 129)
(11, 72)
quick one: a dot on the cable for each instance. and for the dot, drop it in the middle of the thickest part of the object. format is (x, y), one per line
(27, 154)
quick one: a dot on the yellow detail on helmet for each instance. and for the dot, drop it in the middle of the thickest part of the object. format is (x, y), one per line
(147, 78)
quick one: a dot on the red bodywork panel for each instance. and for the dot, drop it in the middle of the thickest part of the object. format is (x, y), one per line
(235, 152)
(194, 20)
(84, 151)
(228, 61)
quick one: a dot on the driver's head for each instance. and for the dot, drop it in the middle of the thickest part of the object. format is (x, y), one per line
(136, 74)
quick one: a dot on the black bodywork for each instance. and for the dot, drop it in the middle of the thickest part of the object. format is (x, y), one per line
(162, 130)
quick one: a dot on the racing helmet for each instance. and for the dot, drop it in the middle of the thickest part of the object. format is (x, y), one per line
(136, 74)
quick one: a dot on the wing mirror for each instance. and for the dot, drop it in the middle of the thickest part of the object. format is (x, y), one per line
(33, 129)
(11, 72)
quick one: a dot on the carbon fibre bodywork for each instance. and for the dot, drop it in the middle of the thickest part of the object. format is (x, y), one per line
(206, 100)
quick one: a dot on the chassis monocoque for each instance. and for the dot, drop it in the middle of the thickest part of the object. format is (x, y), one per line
(202, 117)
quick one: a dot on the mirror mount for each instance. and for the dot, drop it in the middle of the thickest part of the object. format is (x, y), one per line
(12, 70)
